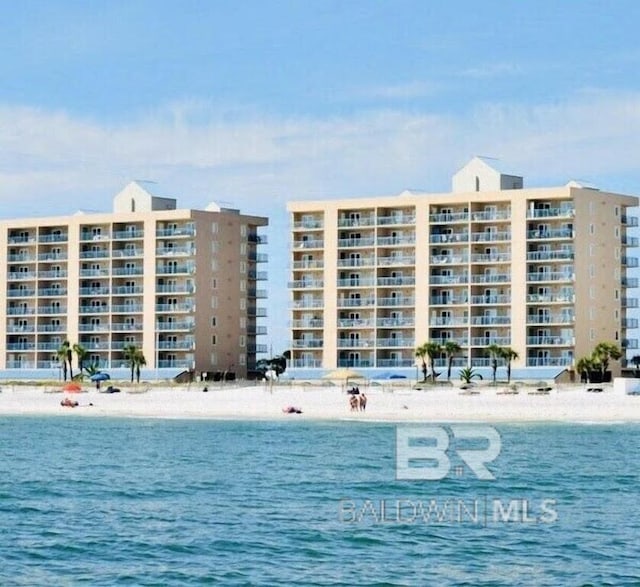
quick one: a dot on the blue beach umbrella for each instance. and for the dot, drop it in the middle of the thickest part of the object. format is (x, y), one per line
(100, 377)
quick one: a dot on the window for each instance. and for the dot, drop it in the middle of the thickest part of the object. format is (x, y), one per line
(213, 321)
(213, 340)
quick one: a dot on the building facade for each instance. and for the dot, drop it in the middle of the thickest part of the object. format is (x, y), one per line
(181, 285)
(542, 271)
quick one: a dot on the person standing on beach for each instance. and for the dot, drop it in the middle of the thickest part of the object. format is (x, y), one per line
(363, 402)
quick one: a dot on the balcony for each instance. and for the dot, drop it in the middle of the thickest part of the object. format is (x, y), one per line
(490, 236)
(564, 212)
(101, 254)
(309, 264)
(356, 242)
(396, 301)
(174, 269)
(355, 322)
(550, 233)
(355, 363)
(128, 234)
(395, 342)
(126, 308)
(307, 343)
(449, 321)
(174, 251)
(491, 215)
(485, 341)
(312, 303)
(186, 289)
(21, 258)
(491, 320)
(306, 363)
(446, 218)
(354, 343)
(550, 319)
(313, 323)
(491, 278)
(550, 340)
(355, 302)
(21, 275)
(462, 237)
(20, 311)
(60, 237)
(396, 219)
(388, 241)
(448, 279)
(396, 281)
(21, 346)
(19, 329)
(396, 363)
(448, 300)
(51, 328)
(394, 260)
(395, 322)
(550, 276)
(629, 302)
(118, 271)
(307, 284)
(94, 273)
(309, 244)
(21, 239)
(52, 310)
(629, 220)
(188, 307)
(629, 261)
(491, 257)
(310, 224)
(551, 297)
(629, 282)
(449, 259)
(94, 237)
(356, 282)
(52, 257)
(94, 291)
(52, 292)
(491, 299)
(350, 221)
(559, 255)
(94, 309)
(176, 231)
(368, 261)
(175, 363)
(181, 345)
(55, 274)
(127, 253)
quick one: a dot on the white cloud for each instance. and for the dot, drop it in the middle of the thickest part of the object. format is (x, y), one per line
(54, 163)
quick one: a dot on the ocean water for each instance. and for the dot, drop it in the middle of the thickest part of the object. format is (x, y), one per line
(87, 501)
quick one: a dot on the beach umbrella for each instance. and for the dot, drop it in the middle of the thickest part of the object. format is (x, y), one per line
(389, 375)
(343, 374)
(100, 377)
(72, 387)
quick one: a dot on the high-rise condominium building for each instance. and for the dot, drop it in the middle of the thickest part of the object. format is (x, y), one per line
(542, 271)
(180, 285)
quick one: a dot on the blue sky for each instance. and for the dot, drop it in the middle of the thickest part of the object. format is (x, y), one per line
(257, 103)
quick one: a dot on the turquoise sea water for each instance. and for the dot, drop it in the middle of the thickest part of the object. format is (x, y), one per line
(157, 502)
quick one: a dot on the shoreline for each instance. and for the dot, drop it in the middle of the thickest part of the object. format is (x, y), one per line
(567, 404)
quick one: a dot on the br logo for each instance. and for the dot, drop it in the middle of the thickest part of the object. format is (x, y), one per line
(423, 452)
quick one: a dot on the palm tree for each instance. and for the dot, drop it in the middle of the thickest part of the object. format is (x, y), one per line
(431, 350)
(130, 353)
(140, 361)
(69, 350)
(584, 367)
(495, 352)
(81, 355)
(467, 374)
(605, 352)
(508, 354)
(62, 354)
(421, 353)
(451, 349)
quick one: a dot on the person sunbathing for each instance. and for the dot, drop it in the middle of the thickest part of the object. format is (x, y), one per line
(69, 403)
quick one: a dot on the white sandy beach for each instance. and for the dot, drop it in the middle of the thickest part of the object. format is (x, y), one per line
(441, 404)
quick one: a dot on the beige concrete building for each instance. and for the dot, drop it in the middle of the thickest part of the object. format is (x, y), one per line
(181, 285)
(543, 271)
